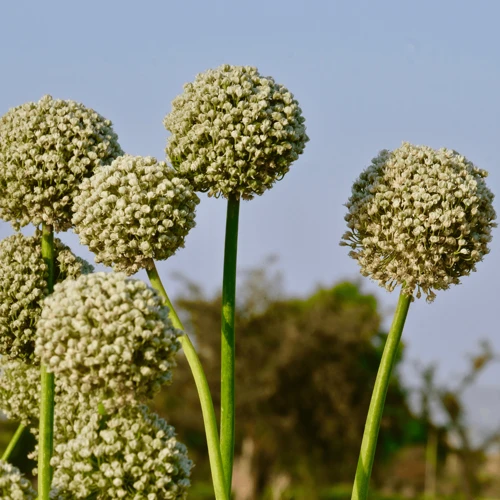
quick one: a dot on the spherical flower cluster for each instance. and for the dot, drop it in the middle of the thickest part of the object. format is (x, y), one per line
(46, 149)
(129, 454)
(133, 211)
(234, 132)
(13, 485)
(19, 390)
(23, 286)
(420, 218)
(108, 334)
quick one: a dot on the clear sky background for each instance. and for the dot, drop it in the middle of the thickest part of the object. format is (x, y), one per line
(368, 75)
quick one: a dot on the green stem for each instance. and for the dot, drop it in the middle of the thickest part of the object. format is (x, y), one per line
(13, 442)
(370, 435)
(101, 410)
(46, 435)
(228, 358)
(207, 407)
(157, 284)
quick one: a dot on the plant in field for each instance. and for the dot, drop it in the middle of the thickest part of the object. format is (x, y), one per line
(110, 340)
(130, 213)
(46, 149)
(420, 218)
(234, 133)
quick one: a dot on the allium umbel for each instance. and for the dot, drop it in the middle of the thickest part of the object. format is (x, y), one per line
(23, 286)
(133, 211)
(420, 218)
(234, 132)
(108, 334)
(46, 149)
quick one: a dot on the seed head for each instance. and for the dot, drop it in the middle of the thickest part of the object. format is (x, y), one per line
(20, 398)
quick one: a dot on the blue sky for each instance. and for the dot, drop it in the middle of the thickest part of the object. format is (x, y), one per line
(368, 75)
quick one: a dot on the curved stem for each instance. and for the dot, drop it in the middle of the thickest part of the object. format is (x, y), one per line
(46, 435)
(207, 407)
(370, 435)
(228, 358)
(13, 442)
(157, 284)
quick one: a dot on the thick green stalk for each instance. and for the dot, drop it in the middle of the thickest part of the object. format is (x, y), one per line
(46, 436)
(13, 442)
(207, 407)
(370, 435)
(228, 357)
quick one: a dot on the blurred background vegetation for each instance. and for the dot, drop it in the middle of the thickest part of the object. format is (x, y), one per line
(305, 371)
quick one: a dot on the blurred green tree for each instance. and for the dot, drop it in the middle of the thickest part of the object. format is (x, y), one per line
(305, 372)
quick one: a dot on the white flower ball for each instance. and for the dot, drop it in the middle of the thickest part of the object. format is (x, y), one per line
(46, 149)
(108, 335)
(234, 132)
(420, 218)
(133, 211)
